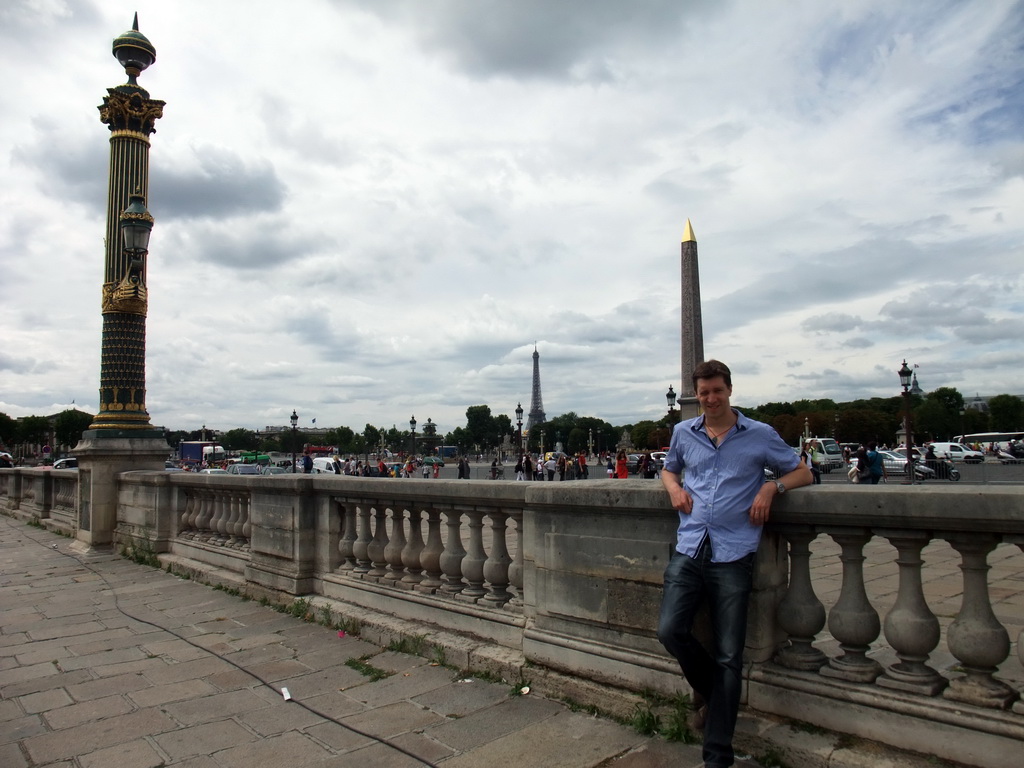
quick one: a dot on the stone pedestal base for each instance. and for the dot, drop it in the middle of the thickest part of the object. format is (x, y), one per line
(689, 408)
(102, 456)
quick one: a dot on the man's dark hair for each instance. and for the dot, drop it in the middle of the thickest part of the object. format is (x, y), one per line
(872, 446)
(709, 369)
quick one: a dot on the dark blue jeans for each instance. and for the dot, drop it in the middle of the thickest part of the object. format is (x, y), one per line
(715, 674)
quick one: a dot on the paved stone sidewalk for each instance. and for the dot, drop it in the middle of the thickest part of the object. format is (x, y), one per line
(174, 683)
(177, 681)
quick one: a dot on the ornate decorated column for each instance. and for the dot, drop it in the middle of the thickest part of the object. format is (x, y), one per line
(121, 437)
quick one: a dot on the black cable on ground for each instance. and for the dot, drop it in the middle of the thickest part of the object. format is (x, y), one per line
(237, 666)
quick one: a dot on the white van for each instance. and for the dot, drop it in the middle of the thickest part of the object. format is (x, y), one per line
(825, 452)
(958, 452)
(323, 465)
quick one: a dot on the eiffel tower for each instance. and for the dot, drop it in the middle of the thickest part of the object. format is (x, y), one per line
(536, 404)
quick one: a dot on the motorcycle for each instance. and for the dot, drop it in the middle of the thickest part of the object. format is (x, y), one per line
(944, 469)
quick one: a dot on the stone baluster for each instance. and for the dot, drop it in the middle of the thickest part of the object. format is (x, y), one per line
(430, 557)
(515, 570)
(198, 500)
(221, 513)
(205, 515)
(853, 621)
(497, 565)
(800, 614)
(185, 529)
(361, 549)
(231, 526)
(976, 638)
(378, 543)
(244, 520)
(473, 562)
(393, 550)
(346, 544)
(910, 627)
(414, 547)
(451, 558)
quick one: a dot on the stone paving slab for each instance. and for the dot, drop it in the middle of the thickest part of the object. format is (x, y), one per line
(83, 685)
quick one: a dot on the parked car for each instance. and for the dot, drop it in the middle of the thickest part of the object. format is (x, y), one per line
(896, 464)
(213, 471)
(272, 470)
(66, 464)
(243, 469)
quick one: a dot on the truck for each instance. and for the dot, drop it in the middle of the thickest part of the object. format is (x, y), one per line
(448, 451)
(198, 451)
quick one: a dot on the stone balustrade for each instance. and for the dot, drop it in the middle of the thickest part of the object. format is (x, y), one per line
(907, 646)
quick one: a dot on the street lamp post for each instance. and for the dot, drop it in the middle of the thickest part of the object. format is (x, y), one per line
(905, 381)
(295, 423)
(412, 426)
(670, 396)
(519, 427)
(590, 443)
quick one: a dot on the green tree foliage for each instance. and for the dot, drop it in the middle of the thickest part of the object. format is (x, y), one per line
(1005, 413)
(460, 437)
(69, 425)
(8, 430)
(484, 429)
(503, 426)
(645, 435)
(973, 421)
(937, 417)
(396, 440)
(372, 437)
(948, 397)
(239, 440)
(34, 429)
(341, 438)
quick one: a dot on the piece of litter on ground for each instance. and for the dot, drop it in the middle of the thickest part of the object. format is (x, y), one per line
(54, 546)
(524, 690)
(466, 680)
(341, 633)
(287, 696)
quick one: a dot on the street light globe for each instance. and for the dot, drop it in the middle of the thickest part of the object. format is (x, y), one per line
(294, 419)
(905, 375)
(133, 51)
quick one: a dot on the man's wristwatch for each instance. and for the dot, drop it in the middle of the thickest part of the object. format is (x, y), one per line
(779, 487)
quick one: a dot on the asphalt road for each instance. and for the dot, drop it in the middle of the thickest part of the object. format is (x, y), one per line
(971, 474)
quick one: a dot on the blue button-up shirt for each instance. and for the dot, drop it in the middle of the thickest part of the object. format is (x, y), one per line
(723, 481)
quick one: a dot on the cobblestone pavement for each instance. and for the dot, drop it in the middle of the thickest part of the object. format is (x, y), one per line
(105, 663)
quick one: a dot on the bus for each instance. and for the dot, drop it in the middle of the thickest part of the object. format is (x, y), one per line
(1009, 446)
(984, 439)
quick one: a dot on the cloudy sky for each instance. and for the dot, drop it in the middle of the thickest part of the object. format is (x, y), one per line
(372, 209)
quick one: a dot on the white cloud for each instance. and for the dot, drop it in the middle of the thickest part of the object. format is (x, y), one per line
(365, 210)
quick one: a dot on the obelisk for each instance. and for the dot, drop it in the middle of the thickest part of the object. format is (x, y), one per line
(692, 351)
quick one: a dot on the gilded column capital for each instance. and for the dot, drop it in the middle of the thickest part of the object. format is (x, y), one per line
(129, 108)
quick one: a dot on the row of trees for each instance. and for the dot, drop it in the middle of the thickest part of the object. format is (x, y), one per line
(64, 430)
(938, 415)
